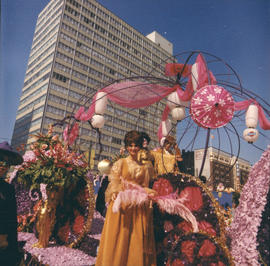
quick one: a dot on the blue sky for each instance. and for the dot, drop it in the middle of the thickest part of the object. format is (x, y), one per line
(235, 30)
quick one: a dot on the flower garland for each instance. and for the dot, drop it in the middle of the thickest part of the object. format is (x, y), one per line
(248, 214)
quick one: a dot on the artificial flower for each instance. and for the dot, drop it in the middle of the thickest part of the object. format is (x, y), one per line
(192, 198)
(187, 247)
(207, 249)
(163, 187)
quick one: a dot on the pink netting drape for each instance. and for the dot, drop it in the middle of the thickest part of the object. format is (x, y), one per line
(138, 94)
(205, 76)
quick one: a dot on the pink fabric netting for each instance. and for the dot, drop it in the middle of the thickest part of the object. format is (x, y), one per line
(134, 94)
(205, 76)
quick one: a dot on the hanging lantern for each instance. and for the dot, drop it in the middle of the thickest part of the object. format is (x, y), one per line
(174, 101)
(178, 113)
(252, 116)
(104, 166)
(166, 127)
(194, 76)
(101, 102)
(250, 135)
(98, 121)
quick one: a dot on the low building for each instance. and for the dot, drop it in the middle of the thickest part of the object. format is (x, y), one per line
(221, 167)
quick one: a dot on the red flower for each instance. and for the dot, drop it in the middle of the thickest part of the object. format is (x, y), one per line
(177, 262)
(163, 187)
(207, 248)
(187, 248)
(168, 226)
(78, 224)
(185, 226)
(63, 232)
(193, 198)
(206, 227)
(217, 264)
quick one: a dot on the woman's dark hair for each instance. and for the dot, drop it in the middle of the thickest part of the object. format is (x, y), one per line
(146, 136)
(133, 137)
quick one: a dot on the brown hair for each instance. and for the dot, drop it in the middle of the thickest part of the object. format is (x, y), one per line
(133, 137)
(170, 140)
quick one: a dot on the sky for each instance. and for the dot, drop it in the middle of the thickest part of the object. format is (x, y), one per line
(235, 30)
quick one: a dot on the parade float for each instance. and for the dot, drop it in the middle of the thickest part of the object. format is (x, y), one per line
(193, 231)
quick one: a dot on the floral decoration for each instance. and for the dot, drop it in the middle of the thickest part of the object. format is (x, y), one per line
(50, 162)
(248, 215)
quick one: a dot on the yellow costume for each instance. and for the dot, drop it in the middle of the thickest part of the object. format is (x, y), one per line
(164, 162)
(127, 236)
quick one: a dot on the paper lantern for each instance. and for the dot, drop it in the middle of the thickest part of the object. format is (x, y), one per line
(194, 77)
(98, 121)
(101, 103)
(252, 116)
(104, 166)
(166, 127)
(174, 101)
(178, 113)
(250, 135)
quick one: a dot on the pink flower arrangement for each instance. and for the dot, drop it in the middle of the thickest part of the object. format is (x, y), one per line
(248, 214)
(50, 162)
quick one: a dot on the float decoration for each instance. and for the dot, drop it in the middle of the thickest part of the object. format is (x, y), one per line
(65, 207)
(212, 107)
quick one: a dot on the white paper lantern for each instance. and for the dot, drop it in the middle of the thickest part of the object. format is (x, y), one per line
(252, 116)
(166, 127)
(101, 103)
(104, 166)
(178, 113)
(194, 76)
(98, 121)
(174, 101)
(250, 135)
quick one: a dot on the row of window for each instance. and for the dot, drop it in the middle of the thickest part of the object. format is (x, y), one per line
(43, 47)
(47, 51)
(42, 63)
(38, 74)
(48, 32)
(35, 84)
(32, 104)
(33, 94)
(114, 38)
(48, 14)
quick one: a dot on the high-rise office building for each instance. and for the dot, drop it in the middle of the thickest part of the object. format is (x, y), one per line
(78, 46)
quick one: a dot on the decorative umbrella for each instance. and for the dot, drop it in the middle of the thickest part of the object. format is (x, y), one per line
(212, 107)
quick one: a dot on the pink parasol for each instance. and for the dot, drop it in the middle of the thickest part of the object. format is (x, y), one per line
(212, 107)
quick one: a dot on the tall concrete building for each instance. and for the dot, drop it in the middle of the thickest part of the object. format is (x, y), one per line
(78, 46)
(222, 167)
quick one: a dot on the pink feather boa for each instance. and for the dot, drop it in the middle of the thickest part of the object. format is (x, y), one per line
(135, 195)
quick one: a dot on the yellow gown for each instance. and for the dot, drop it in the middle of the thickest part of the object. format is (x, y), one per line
(127, 237)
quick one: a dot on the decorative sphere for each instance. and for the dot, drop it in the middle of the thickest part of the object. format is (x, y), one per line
(104, 166)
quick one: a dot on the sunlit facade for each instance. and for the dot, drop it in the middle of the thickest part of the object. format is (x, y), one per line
(77, 47)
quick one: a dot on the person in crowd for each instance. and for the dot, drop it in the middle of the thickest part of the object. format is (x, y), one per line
(167, 156)
(9, 253)
(128, 236)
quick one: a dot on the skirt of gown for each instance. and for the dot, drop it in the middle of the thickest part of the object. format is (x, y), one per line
(127, 238)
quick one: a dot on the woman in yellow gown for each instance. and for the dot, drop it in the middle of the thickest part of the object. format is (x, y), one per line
(128, 236)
